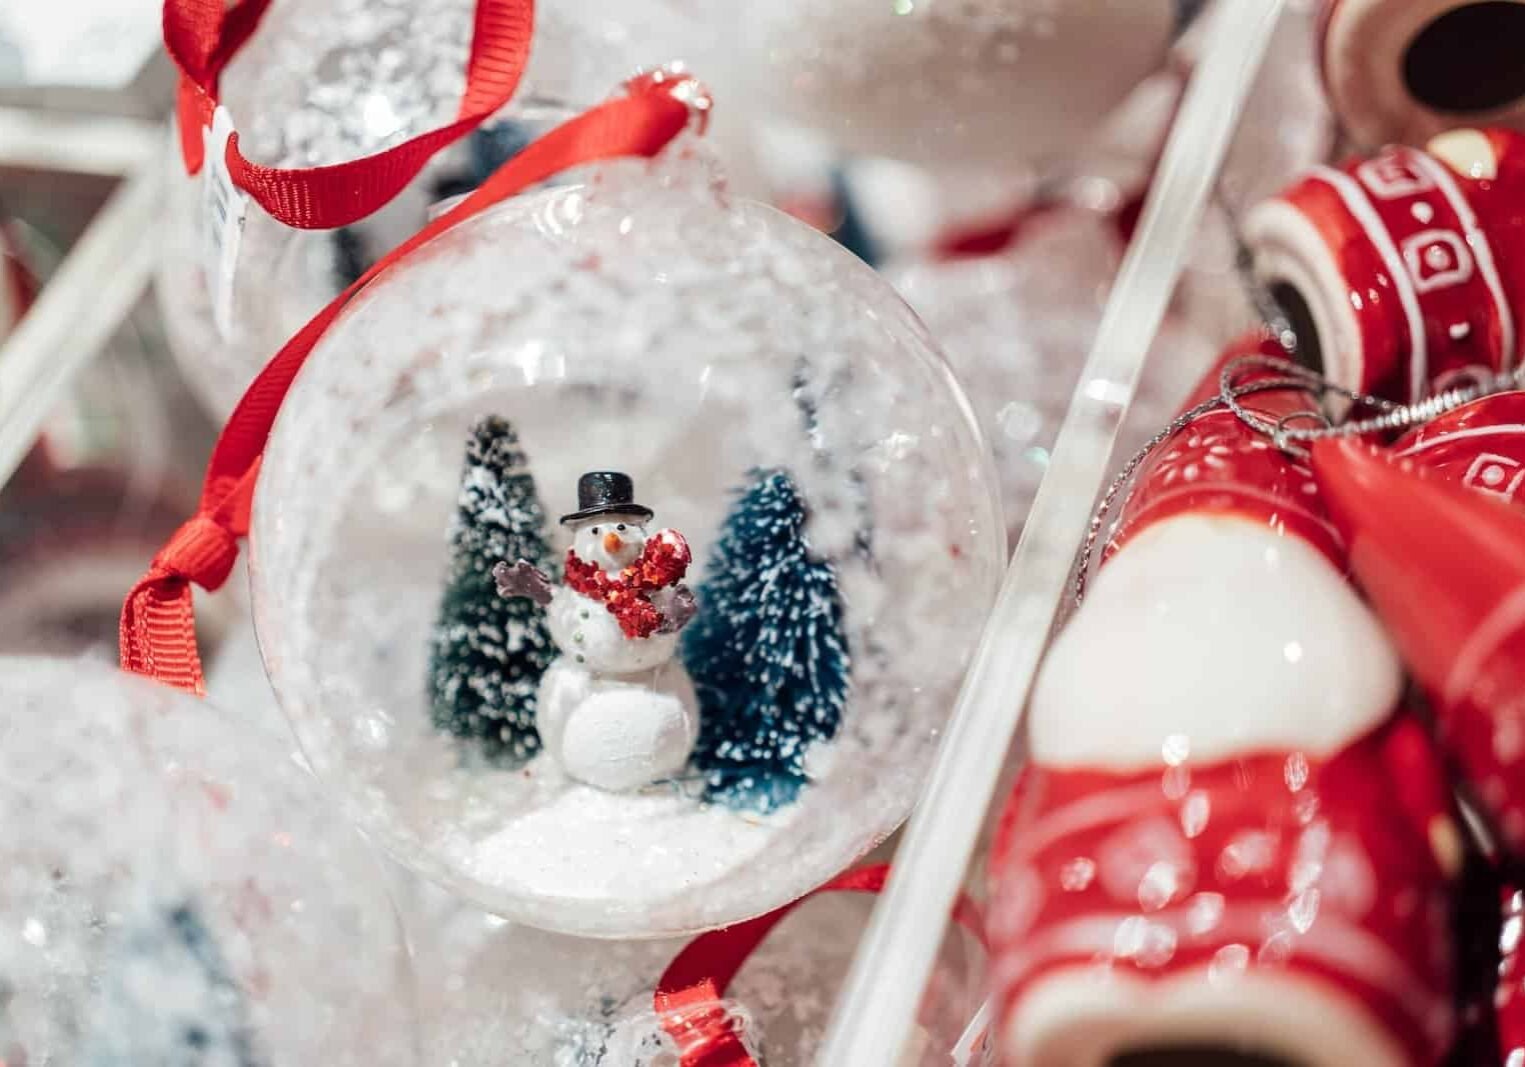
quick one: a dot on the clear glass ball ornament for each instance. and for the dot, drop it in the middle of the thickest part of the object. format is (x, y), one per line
(496, 994)
(175, 890)
(989, 84)
(646, 322)
(325, 82)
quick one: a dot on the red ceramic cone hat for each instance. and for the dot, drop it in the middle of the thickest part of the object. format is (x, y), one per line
(1445, 569)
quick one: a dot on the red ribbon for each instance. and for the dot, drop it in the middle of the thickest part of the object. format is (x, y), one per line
(158, 635)
(203, 36)
(688, 998)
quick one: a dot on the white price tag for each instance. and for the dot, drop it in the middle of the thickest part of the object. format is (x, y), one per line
(223, 209)
(973, 1047)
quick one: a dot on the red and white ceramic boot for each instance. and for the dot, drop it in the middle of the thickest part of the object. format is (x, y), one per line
(1227, 848)
(1404, 70)
(1402, 270)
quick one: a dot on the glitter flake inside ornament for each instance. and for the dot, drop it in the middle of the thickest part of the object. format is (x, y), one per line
(643, 322)
(175, 891)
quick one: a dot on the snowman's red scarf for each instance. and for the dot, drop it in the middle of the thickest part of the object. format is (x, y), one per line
(664, 561)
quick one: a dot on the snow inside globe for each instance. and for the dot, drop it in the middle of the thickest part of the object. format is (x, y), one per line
(619, 554)
(177, 891)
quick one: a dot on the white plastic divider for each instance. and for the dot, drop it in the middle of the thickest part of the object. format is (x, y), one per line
(83, 303)
(878, 1005)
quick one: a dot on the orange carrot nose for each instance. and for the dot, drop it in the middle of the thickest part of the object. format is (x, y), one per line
(612, 543)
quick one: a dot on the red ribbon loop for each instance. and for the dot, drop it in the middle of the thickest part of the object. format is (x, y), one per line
(688, 998)
(703, 1028)
(158, 632)
(202, 38)
(201, 551)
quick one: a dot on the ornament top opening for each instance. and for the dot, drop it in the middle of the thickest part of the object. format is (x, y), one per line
(175, 889)
(769, 397)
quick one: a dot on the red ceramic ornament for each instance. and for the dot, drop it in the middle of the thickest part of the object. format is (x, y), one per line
(1404, 70)
(1445, 568)
(1399, 271)
(1219, 464)
(1480, 446)
(1226, 839)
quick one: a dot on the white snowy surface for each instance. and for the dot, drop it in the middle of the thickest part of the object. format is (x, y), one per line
(639, 323)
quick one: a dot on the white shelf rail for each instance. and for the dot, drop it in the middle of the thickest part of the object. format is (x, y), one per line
(878, 1005)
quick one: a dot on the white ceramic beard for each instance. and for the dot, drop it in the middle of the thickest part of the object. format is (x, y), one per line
(616, 712)
(1297, 660)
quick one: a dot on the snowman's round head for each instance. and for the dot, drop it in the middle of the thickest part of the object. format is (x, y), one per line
(611, 541)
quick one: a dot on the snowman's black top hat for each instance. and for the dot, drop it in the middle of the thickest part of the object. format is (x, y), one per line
(605, 493)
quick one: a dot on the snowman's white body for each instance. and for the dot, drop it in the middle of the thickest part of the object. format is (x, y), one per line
(615, 712)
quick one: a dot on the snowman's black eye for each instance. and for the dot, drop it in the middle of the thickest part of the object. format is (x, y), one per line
(595, 531)
(620, 527)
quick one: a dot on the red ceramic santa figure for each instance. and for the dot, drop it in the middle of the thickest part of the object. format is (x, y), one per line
(1402, 270)
(1228, 844)
(1405, 70)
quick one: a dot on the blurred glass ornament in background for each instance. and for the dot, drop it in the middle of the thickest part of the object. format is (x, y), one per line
(1016, 327)
(175, 888)
(1001, 85)
(322, 83)
(1016, 303)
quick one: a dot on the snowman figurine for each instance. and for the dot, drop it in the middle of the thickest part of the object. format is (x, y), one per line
(615, 709)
